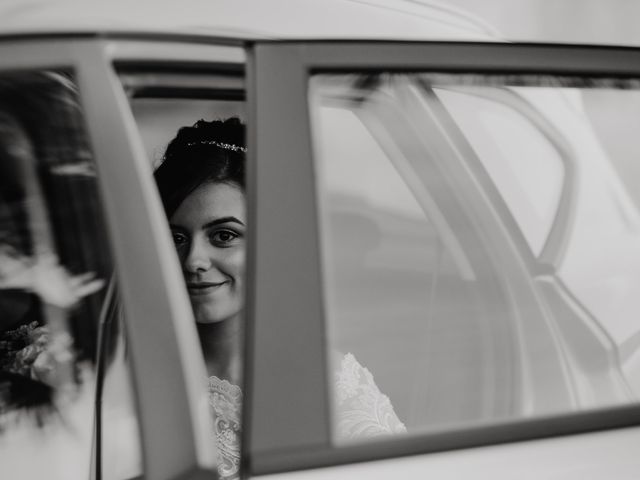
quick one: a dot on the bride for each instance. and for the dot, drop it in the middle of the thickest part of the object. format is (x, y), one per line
(202, 184)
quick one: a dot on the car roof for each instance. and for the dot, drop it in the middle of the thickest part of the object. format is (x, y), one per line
(247, 19)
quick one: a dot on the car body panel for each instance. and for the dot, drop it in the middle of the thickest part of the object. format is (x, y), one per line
(609, 454)
(245, 19)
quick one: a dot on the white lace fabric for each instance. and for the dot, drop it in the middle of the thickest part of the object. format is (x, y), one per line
(361, 411)
(225, 400)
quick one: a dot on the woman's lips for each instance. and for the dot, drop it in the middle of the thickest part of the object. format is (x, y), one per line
(203, 288)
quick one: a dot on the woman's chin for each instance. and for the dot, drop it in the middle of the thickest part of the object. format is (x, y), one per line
(209, 321)
(215, 316)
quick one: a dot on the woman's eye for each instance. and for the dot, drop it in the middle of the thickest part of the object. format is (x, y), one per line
(223, 237)
(179, 239)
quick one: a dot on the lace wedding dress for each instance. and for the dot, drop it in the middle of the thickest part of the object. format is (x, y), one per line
(225, 400)
(360, 411)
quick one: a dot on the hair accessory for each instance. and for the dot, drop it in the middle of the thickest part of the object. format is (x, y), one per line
(226, 146)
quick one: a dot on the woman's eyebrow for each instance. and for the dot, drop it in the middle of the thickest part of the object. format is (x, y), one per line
(220, 220)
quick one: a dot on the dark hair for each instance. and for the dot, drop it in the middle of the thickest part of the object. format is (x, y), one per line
(206, 152)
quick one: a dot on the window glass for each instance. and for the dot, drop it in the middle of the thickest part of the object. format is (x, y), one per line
(118, 442)
(193, 130)
(478, 242)
(54, 273)
(600, 266)
(529, 179)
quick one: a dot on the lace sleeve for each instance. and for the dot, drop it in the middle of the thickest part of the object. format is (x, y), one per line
(362, 410)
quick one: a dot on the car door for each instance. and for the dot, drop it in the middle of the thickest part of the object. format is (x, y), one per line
(56, 267)
(436, 251)
(96, 319)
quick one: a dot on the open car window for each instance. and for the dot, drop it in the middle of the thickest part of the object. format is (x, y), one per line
(165, 103)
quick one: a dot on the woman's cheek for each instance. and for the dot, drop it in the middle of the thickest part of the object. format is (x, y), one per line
(237, 260)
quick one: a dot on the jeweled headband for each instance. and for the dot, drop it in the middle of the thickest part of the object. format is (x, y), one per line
(226, 146)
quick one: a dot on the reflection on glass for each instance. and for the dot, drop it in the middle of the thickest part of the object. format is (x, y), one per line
(530, 179)
(480, 236)
(54, 266)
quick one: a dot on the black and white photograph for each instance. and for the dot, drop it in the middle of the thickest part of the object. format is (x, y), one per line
(319, 239)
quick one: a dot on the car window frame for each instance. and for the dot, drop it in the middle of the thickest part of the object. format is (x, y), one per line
(282, 435)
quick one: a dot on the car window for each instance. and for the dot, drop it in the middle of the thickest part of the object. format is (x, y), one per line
(56, 273)
(477, 243)
(192, 127)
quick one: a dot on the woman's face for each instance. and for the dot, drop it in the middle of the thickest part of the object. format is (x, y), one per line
(209, 233)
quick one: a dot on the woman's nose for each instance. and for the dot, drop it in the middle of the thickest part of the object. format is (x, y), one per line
(198, 258)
